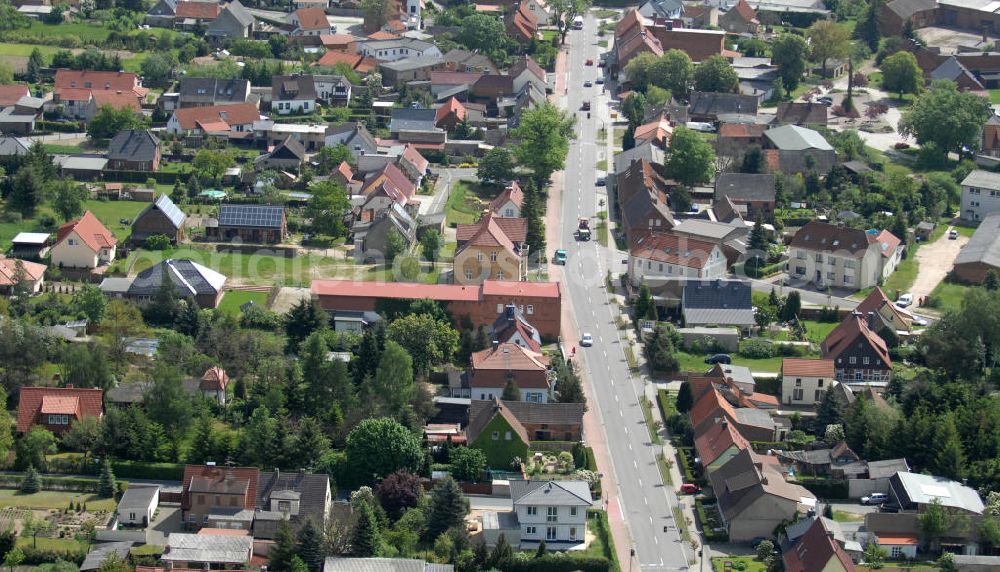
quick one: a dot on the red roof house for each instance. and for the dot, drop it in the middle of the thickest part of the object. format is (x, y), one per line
(450, 114)
(10, 94)
(55, 408)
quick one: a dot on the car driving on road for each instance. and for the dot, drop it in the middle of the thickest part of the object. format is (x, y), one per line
(586, 340)
(560, 257)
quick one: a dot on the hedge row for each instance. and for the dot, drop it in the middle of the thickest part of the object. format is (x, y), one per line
(597, 489)
(827, 489)
(666, 407)
(706, 527)
(144, 470)
(58, 126)
(72, 484)
(754, 271)
(560, 563)
(35, 556)
(686, 468)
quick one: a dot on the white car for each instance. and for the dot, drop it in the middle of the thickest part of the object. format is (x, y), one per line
(919, 321)
(875, 498)
(587, 340)
(905, 300)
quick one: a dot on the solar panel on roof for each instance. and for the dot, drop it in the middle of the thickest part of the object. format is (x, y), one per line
(250, 215)
(170, 210)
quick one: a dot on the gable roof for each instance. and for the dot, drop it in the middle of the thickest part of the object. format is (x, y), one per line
(984, 246)
(10, 94)
(905, 9)
(410, 119)
(512, 193)
(482, 412)
(878, 299)
(99, 80)
(509, 357)
(229, 480)
(536, 413)
(188, 277)
(815, 549)
(807, 367)
(251, 216)
(712, 103)
(214, 379)
(796, 138)
(748, 477)
(290, 148)
(197, 10)
(235, 114)
(744, 10)
(673, 249)
(163, 204)
(716, 439)
(449, 107)
(504, 229)
(521, 23)
(394, 183)
(550, 493)
(116, 99)
(853, 329)
(90, 230)
(658, 130)
(886, 241)
(134, 145)
(312, 19)
(801, 113)
(925, 489)
(293, 86)
(312, 490)
(338, 564)
(34, 401)
(746, 186)
(357, 62)
(824, 237)
(8, 270)
(717, 302)
(741, 130)
(213, 90)
(527, 64)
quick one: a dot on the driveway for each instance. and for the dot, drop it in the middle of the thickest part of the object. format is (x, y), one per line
(934, 262)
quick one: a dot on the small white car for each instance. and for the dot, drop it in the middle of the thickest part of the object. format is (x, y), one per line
(919, 321)
(905, 300)
(952, 234)
(587, 340)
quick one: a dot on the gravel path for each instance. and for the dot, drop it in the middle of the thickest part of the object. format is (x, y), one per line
(935, 261)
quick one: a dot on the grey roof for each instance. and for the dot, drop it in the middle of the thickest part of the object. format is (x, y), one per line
(984, 246)
(925, 489)
(402, 42)
(80, 162)
(711, 103)
(14, 146)
(745, 186)
(530, 412)
(414, 63)
(905, 9)
(709, 230)
(100, 552)
(409, 119)
(134, 145)
(311, 488)
(213, 90)
(754, 417)
(469, 59)
(34, 238)
(233, 16)
(115, 285)
(9, 116)
(163, 204)
(230, 513)
(333, 564)
(982, 179)
(293, 87)
(966, 560)
(188, 277)
(796, 161)
(253, 216)
(887, 468)
(796, 138)
(725, 302)
(646, 150)
(665, 8)
(290, 148)
(550, 493)
(127, 392)
(137, 497)
(209, 549)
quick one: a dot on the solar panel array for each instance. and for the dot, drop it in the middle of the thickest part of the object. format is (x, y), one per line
(170, 210)
(250, 216)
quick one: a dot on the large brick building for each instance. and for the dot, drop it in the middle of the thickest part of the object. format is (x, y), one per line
(541, 302)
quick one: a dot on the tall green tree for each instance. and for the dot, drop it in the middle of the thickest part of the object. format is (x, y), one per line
(901, 74)
(431, 244)
(310, 545)
(33, 446)
(675, 72)
(377, 12)
(532, 210)
(167, 402)
(543, 141)
(467, 464)
(829, 40)
(303, 319)
(67, 198)
(379, 446)
(327, 207)
(716, 74)
(310, 445)
(946, 117)
(36, 61)
(366, 541)
(868, 28)
(109, 121)
(496, 166)
(429, 341)
(691, 159)
(949, 459)
(789, 53)
(483, 33)
(32, 482)
(106, 481)
(394, 379)
(448, 507)
(283, 549)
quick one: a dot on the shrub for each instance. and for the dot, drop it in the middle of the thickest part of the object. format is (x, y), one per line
(158, 242)
(756, 348)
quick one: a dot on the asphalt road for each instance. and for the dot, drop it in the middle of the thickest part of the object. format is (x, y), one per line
(645, 502)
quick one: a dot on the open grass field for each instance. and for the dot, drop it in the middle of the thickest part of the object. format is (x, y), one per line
(108, 212)
(54, 544)
(53, 499)
(88, 32)
(233, 299)
(24, 50)
(263, 269)
(951, 296)
(696, 362)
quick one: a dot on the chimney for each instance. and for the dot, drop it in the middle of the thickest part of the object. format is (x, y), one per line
(871, 321)
(496, 345)
(69, 386)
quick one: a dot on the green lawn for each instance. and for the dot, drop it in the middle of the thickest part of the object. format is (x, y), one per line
(88, 32)
(951, 295)
(53, 544)
(548, 35)
(61, 149)
(603, 544)
(696, 362)
(966, 230)
(108, 212)
(233, 299)
(261, 269)
(751, 564)
(604, 13)
(816, 332)
(53, 499)
(841, 516)
(24, 50)
(463, 206)
(995, 96)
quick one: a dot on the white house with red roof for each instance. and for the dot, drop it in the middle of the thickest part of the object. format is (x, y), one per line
(74, 89)
(213, 119)
(663, 256)
(14, 271)
(84, 243)
(492, 369)
(509, 202)
(526, 71)
(310, 22)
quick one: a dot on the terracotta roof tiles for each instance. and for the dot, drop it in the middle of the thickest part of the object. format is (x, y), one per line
(90, 230)
(58, 400)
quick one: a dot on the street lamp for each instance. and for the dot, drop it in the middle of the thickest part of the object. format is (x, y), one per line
(631, 554)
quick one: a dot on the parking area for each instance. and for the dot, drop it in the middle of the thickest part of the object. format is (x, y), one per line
(949, 39)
